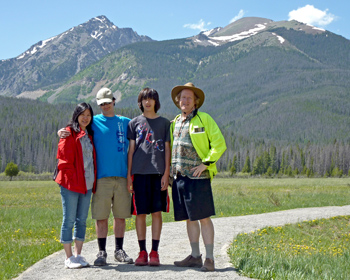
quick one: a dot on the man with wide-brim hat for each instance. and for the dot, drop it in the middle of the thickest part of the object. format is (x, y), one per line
(197, 144)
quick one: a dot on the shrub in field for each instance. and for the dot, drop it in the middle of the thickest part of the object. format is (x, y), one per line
(11, 170)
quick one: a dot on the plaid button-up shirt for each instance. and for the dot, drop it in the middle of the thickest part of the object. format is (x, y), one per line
(184, 156)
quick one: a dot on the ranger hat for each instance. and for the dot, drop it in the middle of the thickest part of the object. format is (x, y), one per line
(197, 91)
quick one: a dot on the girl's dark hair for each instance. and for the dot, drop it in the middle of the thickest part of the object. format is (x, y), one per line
(151, 94)
(74, 124)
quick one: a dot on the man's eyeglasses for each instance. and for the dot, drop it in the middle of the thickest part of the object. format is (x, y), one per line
(106, 103)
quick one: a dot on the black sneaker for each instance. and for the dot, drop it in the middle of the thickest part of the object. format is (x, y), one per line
(121, 256)
(101, 258)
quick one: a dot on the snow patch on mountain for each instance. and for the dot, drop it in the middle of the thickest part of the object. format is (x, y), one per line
(211, 31)
(213, 43)
(280, 38)
(316, 28)
(239, 36)
(96, 34)
(37, 47)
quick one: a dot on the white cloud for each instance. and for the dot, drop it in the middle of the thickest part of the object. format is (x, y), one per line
(201, 25)
(311, 15)
(239, 16)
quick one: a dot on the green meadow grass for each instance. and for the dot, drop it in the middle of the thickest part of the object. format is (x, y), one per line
(317, 249)
(31, 212)
(235, 197)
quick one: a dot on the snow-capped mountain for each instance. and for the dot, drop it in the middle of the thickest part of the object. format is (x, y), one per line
(53, 61)
(248, 27)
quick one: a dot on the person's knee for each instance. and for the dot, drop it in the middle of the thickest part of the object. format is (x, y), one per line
(119, 221)
(157, 215)
(141, 217)
(80, 223)
(68, 223)
(102, 223)
(206, 222)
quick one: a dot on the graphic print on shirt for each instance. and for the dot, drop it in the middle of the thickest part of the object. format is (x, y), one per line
(150, 141)
(121, 138)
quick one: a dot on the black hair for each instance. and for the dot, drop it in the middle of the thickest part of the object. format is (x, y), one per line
(151, 94)
(79, 109)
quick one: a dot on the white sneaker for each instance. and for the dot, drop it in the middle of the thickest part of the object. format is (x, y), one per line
(72, 263)
(82, 260)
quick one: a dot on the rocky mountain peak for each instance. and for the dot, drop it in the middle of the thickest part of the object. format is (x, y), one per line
(247, 27)
(53, 61)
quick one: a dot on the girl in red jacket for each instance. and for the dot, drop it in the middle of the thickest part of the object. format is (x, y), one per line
(77, 179)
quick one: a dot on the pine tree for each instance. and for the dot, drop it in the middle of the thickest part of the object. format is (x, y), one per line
(266, 162)
(308, 172)
(273, 157)
(258, 166)
(269, 171)
(296, 171)
(246, 167)
(283, 163)
(233, 168)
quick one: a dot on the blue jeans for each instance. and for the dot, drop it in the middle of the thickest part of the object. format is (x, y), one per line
(75, 212)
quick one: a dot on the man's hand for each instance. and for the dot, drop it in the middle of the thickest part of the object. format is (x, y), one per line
(197, 171)
(63, 133)
(129, 184)
(164, 182)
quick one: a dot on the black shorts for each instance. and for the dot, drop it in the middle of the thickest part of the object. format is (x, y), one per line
(192, 199)
(147, 197)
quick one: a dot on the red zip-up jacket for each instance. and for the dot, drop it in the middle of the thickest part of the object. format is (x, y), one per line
(71, 173)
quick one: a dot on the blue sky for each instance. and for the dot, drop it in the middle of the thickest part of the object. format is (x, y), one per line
(24, 23)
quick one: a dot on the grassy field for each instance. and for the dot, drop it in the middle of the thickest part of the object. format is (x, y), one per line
(31, 213)
(312, 250)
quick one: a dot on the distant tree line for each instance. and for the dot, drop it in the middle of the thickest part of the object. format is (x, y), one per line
(271, 159)
(28, 137)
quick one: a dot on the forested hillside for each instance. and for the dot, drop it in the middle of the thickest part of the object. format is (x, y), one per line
(28, 132)
(28, 136)
(259, 88)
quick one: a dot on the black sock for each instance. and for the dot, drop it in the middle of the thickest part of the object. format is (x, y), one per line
(155, 245)
(142, 244)
(119, 243)
(102, 244)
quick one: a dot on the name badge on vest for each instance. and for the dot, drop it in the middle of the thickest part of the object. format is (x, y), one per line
(199, 129)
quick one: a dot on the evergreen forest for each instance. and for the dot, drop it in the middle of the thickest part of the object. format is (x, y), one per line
(28, 137)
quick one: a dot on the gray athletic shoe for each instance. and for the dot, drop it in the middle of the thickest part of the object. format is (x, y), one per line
(101, 259)
(121, 256)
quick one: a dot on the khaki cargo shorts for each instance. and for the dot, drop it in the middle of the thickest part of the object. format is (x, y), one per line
(111, 193)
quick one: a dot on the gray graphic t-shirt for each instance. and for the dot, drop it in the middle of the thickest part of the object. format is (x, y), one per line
(150, 136)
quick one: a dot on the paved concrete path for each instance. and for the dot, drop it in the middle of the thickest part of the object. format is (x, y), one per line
(174, 246)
